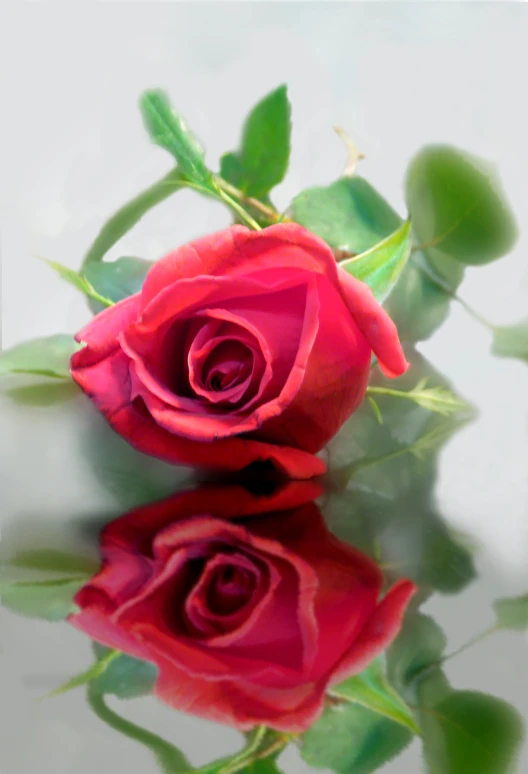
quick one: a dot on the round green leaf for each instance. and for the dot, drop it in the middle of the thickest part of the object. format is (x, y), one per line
(351, 739)
(348, 214)
(472, 733)
(457, 205)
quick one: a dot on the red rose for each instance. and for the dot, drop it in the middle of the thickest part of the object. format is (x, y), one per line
(249, 621)
(241, 346)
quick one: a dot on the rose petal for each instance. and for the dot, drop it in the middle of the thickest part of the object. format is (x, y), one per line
(100, 335)
(375, 324)
(239, 251)
(334, 379)
(240, 703)
(378, 632)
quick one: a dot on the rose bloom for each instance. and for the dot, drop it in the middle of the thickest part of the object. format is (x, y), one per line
(242, 346)
(249, 607)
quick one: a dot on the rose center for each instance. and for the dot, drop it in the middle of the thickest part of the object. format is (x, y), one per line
(229, 364)
(230, 588)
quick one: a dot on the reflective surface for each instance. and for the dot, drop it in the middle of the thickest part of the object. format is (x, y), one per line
(450, 513)
(380, 497)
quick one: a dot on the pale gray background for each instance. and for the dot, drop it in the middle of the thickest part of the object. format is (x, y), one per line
(396, 76)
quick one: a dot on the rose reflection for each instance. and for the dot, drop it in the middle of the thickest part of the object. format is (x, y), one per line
(247, 604)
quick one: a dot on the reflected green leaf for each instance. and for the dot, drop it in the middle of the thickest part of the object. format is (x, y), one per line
(50, 560)
(51, 600)
(168, 130)
(511, 341)
(372, 690)
(388, 508)
(471, 733)
(132, 478)
(89, 675)
(116, 280)
(125, 677)
(351, 739)
(437, 399)
(43, 394)
(512, 612)
(381, 266)
(48, 356)
(348, 214)
(457, 205)
(262, 161)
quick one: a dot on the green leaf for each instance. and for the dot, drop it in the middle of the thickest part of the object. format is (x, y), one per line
(350, 739)
(168, 130)
(372, 690)
(43, 394)
(511, 341)
(127, 216)
(437, 399)
(116, 280)
(78, 281)
(125, 677)
(50, 560)
(88, 676)
(389, 510)
(262, 766)
(381, 266)
(348, 214)
(51, 600)
(472, 733)
(419, 645)
(417, 305)
(48, 356)
(262, 160)
(512, 612)
(457, 206)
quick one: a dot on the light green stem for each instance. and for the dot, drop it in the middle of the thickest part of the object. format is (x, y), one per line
(469, 644)
(238, 209)
(389, 391)
(128, 215)
(268, 212)
(436, 280)
(170, 759)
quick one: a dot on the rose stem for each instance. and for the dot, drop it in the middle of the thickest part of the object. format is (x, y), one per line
(170, 759)
(269, 212)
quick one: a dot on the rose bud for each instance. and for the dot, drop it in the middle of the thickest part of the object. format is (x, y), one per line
(241, 347)
(250, 608)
